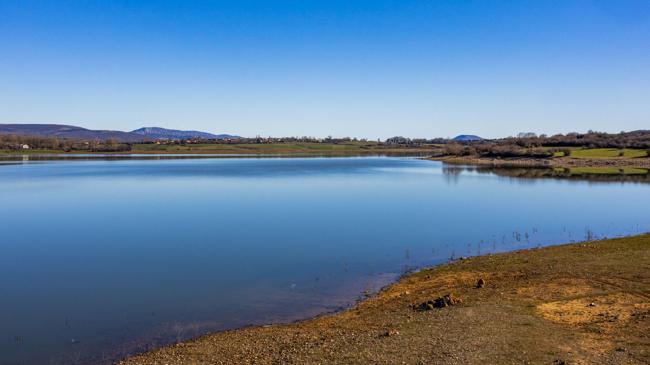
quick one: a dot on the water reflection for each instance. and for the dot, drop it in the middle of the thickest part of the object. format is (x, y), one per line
(529, 175)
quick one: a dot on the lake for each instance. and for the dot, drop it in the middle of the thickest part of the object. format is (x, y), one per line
(103, 258)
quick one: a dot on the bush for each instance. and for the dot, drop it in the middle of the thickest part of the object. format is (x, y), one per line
(511, 151)
(453, 149)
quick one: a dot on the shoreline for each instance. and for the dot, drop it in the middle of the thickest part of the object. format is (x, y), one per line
(566, 163)
(423, 153)
(583, 302)
(268, 149)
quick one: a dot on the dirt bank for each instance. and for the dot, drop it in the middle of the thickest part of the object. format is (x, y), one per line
(585, 303)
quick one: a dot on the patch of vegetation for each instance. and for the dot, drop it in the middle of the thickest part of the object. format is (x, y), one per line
(607, 171)
(593, 140)
(577, 145)
(490, 150)
(607, 153)
(500, 150)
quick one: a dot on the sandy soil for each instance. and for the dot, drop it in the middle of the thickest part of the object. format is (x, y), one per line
(585, 303)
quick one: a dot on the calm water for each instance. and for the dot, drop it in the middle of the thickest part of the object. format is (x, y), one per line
(102, 258)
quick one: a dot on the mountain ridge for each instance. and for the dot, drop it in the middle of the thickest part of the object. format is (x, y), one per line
(467, 138)
(75, 132)
(175, 134)
(68, 131)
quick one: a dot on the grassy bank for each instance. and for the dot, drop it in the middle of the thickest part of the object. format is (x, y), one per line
(607, 153)
(607, 171)
(577, 303)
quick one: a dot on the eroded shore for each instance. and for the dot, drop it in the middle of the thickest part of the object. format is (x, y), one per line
(584, 303)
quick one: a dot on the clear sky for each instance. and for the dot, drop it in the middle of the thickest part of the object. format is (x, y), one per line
(365, 68)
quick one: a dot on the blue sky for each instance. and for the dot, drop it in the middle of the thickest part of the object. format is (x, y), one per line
(372, 69)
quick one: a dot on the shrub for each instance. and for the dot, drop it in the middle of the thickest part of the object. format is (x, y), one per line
(453, 149)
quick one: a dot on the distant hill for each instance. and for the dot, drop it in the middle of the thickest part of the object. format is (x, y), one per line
(163, 133)
(467, 138)
(68, 131)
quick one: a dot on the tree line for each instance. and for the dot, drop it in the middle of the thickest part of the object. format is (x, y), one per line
(591, 139)
(17, 142)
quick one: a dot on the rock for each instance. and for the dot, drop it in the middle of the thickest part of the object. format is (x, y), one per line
(390, 332)
(444, 301)
(480, 283)
(592, 304)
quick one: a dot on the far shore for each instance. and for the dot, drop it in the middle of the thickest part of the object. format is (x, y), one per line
(581, 303)
(242, 149)
(431, 152)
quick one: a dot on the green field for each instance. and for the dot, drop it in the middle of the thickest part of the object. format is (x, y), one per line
(607, 153)
(607, 171)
